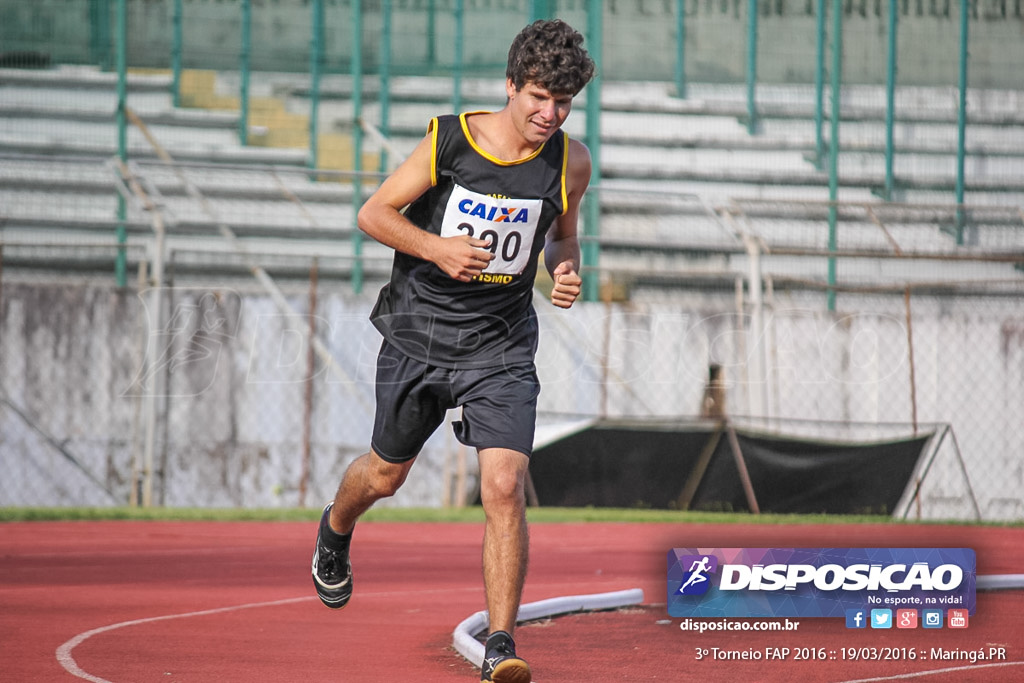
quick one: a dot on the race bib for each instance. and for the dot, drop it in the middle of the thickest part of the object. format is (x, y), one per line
(508, 225)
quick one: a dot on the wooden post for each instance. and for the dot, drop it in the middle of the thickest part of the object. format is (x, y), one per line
(307, 417)
(741, 466)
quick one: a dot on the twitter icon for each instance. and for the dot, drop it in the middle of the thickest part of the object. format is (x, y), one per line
(881, 618)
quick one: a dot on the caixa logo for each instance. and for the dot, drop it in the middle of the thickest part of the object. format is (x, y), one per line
(495, 214)
(697, 579)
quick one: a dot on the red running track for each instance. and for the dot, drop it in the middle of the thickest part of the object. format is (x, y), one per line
(201, 601)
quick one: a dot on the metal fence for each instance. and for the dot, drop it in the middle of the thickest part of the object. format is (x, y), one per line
(275, 66)
(218, 388)
(177, 208)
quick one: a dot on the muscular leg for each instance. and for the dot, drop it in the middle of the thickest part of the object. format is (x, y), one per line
(506, 541)
(368, 479)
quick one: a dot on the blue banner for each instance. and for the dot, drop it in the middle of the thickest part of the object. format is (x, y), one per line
(818, 582)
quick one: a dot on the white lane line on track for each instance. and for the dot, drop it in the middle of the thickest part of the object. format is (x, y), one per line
(922, 674)
(67, 660)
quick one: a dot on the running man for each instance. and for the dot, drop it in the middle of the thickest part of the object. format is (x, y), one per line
(698, 571)
(486, 193)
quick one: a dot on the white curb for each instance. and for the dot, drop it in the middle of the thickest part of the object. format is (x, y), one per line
(464, 636)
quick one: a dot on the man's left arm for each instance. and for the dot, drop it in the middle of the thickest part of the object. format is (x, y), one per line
(562, 250)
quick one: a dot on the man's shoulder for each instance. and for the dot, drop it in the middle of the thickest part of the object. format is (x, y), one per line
(579, 155)
(442, 122)
(576, 146)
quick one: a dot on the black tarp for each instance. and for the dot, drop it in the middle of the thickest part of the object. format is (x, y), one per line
(648, 465)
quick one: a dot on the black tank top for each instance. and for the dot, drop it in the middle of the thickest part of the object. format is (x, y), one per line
(490, 321)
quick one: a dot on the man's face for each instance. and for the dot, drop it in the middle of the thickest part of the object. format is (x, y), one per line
(538, 114)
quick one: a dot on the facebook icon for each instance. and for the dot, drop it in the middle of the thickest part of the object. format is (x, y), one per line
(856, 618)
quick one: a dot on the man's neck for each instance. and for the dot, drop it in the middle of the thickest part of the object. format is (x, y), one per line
(495, 133)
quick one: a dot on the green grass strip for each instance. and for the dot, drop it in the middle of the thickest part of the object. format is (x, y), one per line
(451, 515)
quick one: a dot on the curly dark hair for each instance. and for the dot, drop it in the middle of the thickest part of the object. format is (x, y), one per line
(550, 53)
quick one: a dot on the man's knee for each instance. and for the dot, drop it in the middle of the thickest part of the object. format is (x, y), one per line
(502, 481)
(386, 477)
(502, 487)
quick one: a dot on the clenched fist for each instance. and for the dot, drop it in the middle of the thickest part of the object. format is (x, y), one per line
(567, 285)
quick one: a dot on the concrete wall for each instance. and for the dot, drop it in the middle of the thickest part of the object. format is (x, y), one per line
(639, 38)
(230, 395)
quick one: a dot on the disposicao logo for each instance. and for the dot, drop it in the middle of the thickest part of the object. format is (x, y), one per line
(818, 582)
(696, 580)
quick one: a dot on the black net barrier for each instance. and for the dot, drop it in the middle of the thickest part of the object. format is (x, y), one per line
(650, 466)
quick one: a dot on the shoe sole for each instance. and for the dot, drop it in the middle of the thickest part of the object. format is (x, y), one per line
(322, 588)
(330, 600)
(512, 671)
(333, 603)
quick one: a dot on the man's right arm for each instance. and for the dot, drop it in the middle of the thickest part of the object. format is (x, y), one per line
(380, 217)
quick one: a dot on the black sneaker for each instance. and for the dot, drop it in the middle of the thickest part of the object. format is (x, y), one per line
(332, 571)
(501, 665)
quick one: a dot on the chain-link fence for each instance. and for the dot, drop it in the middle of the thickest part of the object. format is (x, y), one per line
(916, 86)
(221, 199)
(242, 391)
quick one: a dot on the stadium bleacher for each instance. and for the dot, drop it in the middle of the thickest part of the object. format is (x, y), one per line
(683, 180)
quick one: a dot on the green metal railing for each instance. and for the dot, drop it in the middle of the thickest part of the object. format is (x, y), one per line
(357, 142)
(99, 33)
(453, 43)
(243, 72)
(316, 60)
(833, 156)
(819, 83)
(680, 64)
(177, 37)
(385, 79)
(961, 122)
(890, 100)
(120, 263)
(752, 66)
(592, 208)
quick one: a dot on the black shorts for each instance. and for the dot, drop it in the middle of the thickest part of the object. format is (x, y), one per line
(499, 405)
